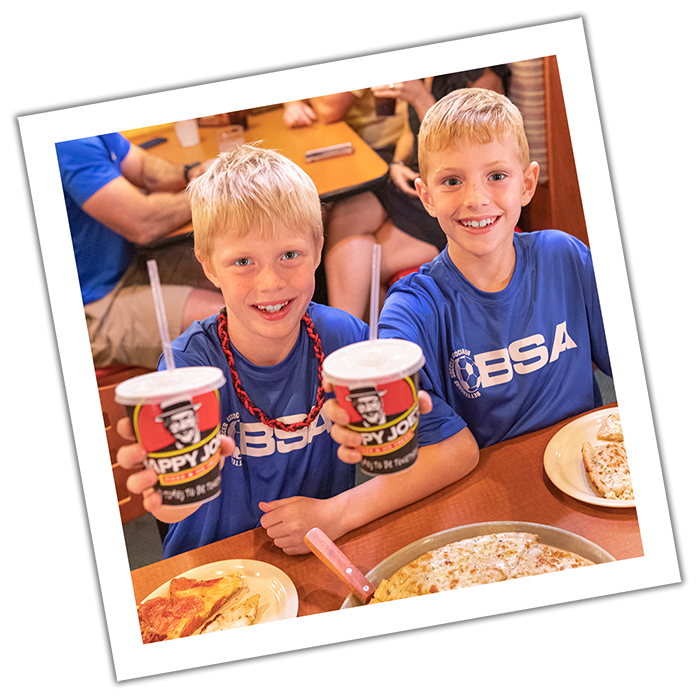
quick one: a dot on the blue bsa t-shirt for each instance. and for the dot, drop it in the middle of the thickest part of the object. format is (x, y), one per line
(510, 362)
(268, 463)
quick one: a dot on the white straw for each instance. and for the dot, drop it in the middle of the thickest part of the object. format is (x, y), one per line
(160, 313)
(374, 299)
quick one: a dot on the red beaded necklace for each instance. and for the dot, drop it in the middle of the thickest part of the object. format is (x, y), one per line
(272, 422)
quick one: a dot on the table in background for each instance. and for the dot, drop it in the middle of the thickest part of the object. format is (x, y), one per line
(508, 484)
(334, 177)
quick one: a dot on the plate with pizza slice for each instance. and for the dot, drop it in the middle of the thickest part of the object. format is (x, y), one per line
(220, 595)
(564, 459)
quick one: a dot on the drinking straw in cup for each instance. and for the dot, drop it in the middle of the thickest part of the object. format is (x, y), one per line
(160, 313)
(176, 418)
(376, 382)
(374, 296)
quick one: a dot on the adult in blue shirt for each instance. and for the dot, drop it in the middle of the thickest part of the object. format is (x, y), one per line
(118, 198)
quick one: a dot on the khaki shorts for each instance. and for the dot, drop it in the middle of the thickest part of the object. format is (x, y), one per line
(123, 326)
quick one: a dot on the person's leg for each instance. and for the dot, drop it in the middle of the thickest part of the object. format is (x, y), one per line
(401, 251)
(200, 304)
(349, 250)
(128, 330)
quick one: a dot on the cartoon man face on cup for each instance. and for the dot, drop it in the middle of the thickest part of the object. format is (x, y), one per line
(368, 403)
(179, 418)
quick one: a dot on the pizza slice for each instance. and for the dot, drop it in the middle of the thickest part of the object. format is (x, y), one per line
(611, 429)
(541, 558)
(240, 615)
(608, 470)
(188, 604)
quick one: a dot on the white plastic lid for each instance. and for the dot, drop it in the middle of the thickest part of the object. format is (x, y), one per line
(373, 361)
(182, 381)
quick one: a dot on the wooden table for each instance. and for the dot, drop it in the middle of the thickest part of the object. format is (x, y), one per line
(333, 177)
(508, 484)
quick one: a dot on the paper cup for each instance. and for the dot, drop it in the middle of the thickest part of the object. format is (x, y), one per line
(176, 418)
(376, 382)
(187, 132)
(230, 137)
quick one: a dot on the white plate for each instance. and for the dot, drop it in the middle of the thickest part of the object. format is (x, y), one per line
(278, 595)
(564, 464)
(546, 534)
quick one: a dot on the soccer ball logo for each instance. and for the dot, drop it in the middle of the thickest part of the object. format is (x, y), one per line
(467, 374)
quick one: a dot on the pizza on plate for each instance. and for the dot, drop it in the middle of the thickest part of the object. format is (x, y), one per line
(611, 428)
(240, 615)
(186, 606)
(475, 561)
(608, 470)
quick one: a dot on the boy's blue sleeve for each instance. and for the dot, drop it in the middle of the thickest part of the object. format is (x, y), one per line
(410, 314)
(599, 344)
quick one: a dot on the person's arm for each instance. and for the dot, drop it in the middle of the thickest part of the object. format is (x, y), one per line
(415, 92)
(141, 218)
(298, 113)
(403, 175)
(437, 466)
(288, 520)
(332, 108)
(151, 173)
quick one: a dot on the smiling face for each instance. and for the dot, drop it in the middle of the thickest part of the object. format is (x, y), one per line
(371, 409)
(476, 191)
(183, 427)
(267, 282)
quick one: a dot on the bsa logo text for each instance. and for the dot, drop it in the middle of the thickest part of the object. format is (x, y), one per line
(494, 367)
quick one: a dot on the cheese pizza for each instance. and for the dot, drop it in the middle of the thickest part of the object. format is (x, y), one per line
(188, 604)
(240, 615)
(611, 428)
(476, 561)
(608, 470)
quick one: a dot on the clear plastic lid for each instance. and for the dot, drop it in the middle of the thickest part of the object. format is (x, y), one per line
(373, 361)
(157, 386)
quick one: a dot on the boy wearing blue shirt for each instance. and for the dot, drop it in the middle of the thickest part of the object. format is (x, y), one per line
(510, 323)
(259, 235)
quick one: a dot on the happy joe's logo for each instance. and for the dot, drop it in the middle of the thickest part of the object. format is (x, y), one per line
(181, 439)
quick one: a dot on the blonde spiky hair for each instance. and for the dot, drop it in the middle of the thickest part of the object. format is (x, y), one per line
(250, 186)
(471, 114)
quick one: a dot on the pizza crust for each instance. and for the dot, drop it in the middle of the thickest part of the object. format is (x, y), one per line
(240, 615)
(608, 470)
(611, 429)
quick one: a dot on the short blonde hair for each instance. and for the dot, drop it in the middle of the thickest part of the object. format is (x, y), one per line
(471, 114)
(250, 186)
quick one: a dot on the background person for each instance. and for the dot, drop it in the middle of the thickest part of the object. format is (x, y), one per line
(357, 108)
(118, 198)
(392, 214)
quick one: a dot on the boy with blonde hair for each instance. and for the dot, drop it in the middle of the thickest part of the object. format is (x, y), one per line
(510, 323)
(258, 235)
